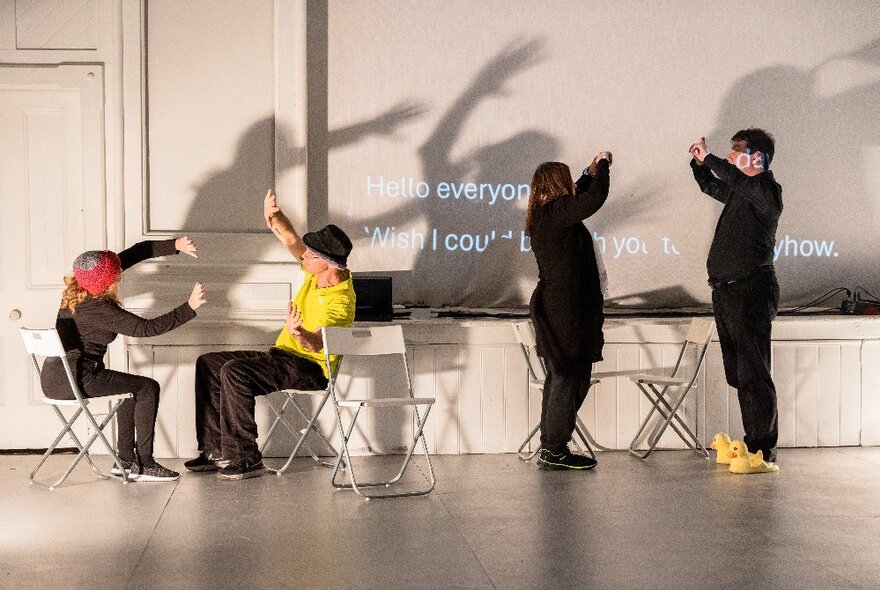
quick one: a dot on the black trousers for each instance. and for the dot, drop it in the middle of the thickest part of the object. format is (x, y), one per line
(136, 418)
(565, 390)
(227, 384)
(744, 311)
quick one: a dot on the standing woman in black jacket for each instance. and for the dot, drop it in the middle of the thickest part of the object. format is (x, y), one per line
(89, 319)
(566, 306)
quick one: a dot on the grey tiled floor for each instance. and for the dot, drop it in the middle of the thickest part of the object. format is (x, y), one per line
(673, 521)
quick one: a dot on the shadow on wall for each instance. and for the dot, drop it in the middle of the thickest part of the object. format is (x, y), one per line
(437, 277)
(819, 162)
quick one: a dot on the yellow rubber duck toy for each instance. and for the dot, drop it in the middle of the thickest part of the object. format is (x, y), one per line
(721, 443)
(742, 461)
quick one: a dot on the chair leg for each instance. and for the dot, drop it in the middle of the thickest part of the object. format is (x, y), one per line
(528, 455)
(83, 448)
(279, 418)
(582, 432)
(358, 487)
(310, 427)
(669, 412)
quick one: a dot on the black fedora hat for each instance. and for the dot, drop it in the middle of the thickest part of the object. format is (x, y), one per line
(331, 242)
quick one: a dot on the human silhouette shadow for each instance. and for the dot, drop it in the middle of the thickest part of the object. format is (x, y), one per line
(818, 162)
(229, 201)
(501, 266)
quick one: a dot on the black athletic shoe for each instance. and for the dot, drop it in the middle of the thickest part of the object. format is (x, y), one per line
(205, 462)
(153, 472)
(128, 465)
(243, 468)
(564, 460)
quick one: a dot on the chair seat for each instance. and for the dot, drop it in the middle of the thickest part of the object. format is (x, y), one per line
(386, 402)
(73, 402)
(657, 379)
(316, 392)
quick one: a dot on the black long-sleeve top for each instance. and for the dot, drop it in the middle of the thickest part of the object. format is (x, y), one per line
(746, 231)
(566, 306)
(97, 321)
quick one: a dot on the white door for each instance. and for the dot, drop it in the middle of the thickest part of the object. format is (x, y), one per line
(51, 209)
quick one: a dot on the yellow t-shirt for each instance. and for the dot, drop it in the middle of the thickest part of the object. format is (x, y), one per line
(330, 306)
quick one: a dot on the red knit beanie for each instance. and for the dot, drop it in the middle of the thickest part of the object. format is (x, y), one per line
(96, 270)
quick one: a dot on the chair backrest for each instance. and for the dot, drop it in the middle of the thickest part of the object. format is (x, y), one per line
(700, 331)
(699, 335)
(525, 333)
(43, 343)
(373, 341)
(525, 336)
(364, 341)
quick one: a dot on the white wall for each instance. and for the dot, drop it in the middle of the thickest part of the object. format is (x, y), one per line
(183, 116)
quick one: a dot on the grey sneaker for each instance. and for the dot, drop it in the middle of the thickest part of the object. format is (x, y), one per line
(154, 472)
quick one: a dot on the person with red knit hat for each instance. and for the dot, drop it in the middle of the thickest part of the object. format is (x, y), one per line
(90, 318)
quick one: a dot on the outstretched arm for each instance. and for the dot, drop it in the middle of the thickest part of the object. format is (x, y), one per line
(155, 248)
(714, 186)
(280, 225)
(573, 210)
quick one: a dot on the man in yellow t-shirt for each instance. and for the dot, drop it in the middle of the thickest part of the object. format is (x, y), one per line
(228, 382)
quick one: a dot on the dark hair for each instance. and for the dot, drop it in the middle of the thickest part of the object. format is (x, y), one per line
(757, 140)
(550, 181)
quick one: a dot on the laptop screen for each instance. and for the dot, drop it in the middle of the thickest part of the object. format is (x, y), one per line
(373, 298)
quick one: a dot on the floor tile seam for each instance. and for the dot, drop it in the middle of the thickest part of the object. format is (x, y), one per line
(458, 528)
(150, 538)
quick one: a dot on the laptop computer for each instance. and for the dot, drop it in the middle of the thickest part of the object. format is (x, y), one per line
(373, 295)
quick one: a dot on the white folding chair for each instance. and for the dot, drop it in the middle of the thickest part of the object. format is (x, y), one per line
(311, 419)
(46, 344)
(385, 340)
(525, 336)
(676, 386)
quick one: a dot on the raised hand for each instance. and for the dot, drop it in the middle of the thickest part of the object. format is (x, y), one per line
(197, 298)
(699, 150)
(270, 207)
(187, 246)
(599, 157)
(294, 320)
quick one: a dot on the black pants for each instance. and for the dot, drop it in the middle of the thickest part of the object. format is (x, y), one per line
(136, 418)
(227, 384)
(744, 311)
(565, 390)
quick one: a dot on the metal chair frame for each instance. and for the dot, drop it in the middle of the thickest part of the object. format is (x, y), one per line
(537, 372)
(311, 426)
(656, 387)
(46, 343)
(374, 341)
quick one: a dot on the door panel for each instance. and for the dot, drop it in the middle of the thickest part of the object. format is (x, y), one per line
(51, 209)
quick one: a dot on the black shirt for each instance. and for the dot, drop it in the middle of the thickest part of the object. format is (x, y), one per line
(746, 232)
(98, 320)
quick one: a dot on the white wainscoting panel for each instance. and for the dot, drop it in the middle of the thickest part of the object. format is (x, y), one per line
(829, 390)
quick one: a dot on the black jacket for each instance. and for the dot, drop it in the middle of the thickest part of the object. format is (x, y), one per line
(566, 306)
(746, 232)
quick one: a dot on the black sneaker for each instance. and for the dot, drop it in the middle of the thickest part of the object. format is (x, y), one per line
(205, 462)
(564, 460)
(243, 468)
(153, 472)
(127, 465)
